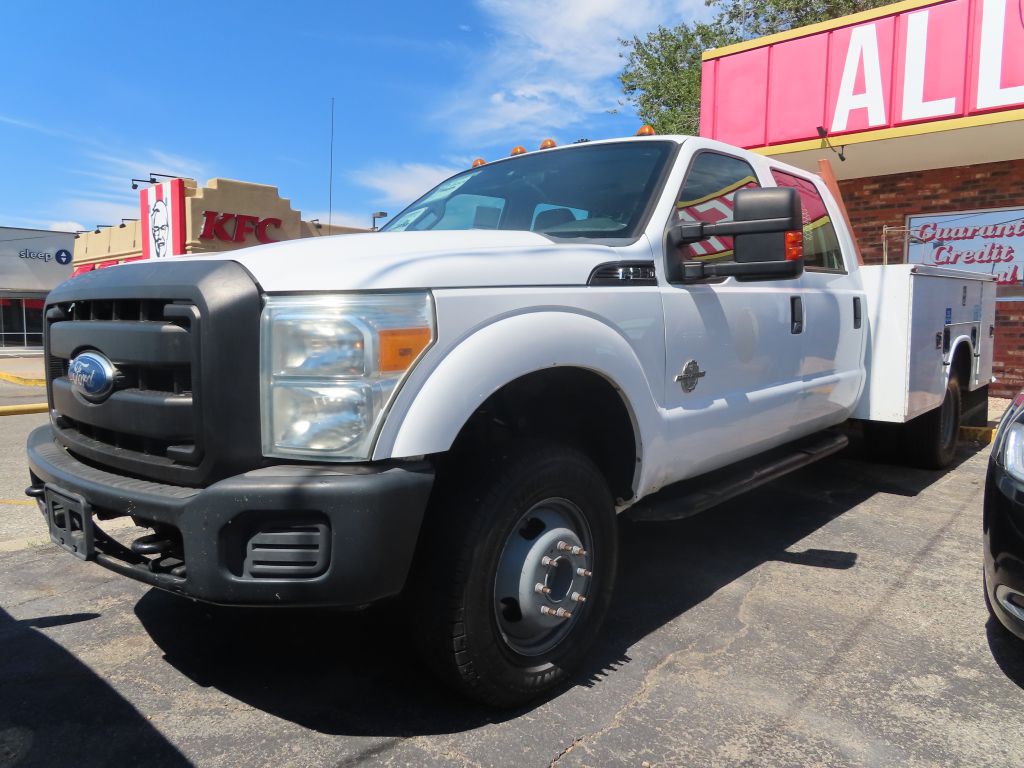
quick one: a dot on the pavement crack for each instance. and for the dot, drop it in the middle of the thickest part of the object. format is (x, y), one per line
(575, 743)
(647, 684)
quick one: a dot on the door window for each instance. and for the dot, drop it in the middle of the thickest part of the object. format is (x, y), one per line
(821, 244)
(706, 196)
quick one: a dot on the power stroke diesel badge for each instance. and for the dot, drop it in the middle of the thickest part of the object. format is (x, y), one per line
(92, 376)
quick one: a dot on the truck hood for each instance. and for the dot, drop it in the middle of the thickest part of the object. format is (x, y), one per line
(403, 260)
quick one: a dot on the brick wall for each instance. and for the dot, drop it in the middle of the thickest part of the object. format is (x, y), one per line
(878, 201)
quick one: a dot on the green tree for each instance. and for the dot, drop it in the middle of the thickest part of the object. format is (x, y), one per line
(661, 75)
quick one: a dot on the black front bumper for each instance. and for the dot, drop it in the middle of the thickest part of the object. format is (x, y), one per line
(341, 535)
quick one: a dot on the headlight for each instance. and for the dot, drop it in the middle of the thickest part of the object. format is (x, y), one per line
(330, 366)
(1013, 451)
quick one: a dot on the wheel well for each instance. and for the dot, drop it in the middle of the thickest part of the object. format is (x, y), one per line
(961, 364)
(572, 406)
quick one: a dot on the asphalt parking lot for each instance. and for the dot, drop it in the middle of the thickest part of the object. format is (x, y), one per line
(832, 618)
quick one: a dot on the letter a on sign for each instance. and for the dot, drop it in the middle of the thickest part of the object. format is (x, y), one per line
(862, 53)
(162, 219)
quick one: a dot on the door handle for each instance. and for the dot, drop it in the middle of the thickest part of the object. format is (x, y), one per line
(856, 312)
(796, 308)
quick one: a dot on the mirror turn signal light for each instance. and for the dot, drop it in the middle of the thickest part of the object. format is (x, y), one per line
(794, 245)
(548, 144)
(478, 162)
(645, 130)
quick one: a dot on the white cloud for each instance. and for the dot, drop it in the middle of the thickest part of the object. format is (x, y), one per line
(340, 218)
(143, 163)
(398, 184)
(552, 66)
(98, 211)
(65, 226)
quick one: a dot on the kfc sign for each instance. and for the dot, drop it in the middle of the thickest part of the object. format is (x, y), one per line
(236, 227)
(162, 217)
(939, 61)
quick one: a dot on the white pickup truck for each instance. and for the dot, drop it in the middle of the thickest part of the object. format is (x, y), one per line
(454, 410)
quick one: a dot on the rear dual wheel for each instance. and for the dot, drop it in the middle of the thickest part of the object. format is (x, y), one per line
(516, 573)
(929, 441)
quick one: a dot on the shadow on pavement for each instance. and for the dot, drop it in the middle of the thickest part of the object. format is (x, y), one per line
(55, 711)
(1007, 650)
(355, 673)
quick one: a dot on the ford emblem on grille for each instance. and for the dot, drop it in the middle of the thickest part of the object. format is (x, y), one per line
(92, 376)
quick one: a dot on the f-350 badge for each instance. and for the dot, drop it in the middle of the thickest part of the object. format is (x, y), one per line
(690, 374)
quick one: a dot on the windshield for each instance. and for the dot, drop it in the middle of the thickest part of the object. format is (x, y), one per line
(594, 191)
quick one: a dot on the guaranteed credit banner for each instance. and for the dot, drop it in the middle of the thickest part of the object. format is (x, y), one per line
(989, 241)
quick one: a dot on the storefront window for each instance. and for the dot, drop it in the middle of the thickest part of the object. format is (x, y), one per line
(21, 322)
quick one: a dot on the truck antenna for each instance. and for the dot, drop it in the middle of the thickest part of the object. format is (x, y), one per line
(330, 172)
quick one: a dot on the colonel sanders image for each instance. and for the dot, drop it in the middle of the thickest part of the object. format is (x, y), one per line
(158, 229)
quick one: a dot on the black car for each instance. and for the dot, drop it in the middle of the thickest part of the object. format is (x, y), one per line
(1004, 521)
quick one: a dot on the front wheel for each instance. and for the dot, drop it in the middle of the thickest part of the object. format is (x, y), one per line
(516, 574)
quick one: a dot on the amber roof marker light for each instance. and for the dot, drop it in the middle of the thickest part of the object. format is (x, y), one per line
(478, 162)
(518, 149)
(645, 130)
(548, 144)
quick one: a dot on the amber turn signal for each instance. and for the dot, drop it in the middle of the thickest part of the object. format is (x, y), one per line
(399, 347)
(645, 130)
(794, 245)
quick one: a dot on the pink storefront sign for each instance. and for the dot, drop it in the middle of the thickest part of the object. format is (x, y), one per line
(910, 63)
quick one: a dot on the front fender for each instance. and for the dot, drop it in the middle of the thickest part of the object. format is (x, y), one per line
(434, 404)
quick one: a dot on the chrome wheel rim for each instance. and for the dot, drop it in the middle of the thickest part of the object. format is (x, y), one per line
(543, 578)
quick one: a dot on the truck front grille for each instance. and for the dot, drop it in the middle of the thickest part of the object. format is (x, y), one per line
(184, 340)
(152, 416)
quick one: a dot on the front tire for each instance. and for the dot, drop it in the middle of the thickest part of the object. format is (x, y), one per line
(516, 574)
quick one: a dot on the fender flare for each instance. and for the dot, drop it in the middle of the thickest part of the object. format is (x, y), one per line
(435, 403)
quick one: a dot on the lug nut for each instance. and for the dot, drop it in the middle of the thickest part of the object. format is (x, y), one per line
(570, 548)
(559, 612)
(584, 572)
(578, 597)
(547, 562)
(540, 589)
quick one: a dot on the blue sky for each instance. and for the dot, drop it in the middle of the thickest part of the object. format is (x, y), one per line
(97, 93)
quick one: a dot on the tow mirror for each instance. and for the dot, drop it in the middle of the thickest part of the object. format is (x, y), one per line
(767, 232)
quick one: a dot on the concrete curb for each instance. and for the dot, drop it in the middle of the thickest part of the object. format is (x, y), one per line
(22, 381)
(19, 410)
(981, 435)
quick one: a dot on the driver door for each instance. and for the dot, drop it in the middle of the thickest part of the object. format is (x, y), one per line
(733, 351)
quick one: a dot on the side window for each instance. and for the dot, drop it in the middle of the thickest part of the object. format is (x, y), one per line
(821, 245)
(706, 196)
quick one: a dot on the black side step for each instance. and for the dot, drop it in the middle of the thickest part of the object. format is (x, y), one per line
(690, 497)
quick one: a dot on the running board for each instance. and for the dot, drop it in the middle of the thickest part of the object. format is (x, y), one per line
(690, 497)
